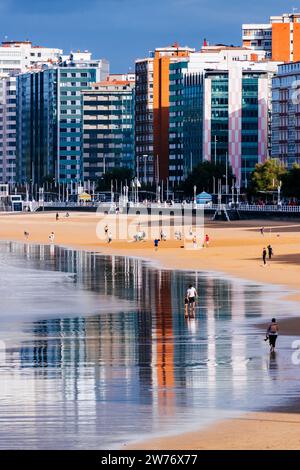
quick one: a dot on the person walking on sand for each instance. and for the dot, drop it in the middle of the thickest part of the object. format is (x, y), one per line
(270, 251)
(262, 231)
(272, 334)
(206, 240)
(109, 238)
(26, 235)
(191, 295)
(57, 216)
(194, 241)
(51, 237)
(106, 231)
(156, 242)
(264, 256)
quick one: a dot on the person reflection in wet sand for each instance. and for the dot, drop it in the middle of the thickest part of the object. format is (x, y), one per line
(186, 307)
(273, 362)
(192, 326)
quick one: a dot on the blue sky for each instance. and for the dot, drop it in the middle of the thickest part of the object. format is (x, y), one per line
(122, 30)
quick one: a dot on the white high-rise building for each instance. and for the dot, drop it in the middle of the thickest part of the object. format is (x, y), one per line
(19, 56)
(16, 57)
(7, 129)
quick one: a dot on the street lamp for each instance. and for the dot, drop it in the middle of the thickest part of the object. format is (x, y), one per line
(279, 190)
(145, 168)
(158, 194)
(226, 175)
(238, 194)
(215, 149)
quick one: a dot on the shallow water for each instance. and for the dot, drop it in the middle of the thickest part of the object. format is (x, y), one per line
(96, 351)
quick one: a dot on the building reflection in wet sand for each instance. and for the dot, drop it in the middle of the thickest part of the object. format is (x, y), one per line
(107, 375)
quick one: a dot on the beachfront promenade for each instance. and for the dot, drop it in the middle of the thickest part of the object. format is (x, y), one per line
(208, 208)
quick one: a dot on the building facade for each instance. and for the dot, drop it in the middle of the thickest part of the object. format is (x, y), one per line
(286, 114)
(280, 38)
(144, 153)
(220, 111)
(258, 37)
(152, 112)
(186, 121)
(108, 127)
(50, 119)
(7, 129)
(18, 56)
(15, 58)
(236, 119)
(37, 131)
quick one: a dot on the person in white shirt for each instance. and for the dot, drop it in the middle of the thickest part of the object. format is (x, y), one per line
(191, 295)
(51, 237)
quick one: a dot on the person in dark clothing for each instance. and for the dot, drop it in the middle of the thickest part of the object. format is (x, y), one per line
(270, 251)
(271, 334)
(264, 256)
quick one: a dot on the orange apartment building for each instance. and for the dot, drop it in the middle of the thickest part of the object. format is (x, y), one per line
(280, 38)
(152, 112)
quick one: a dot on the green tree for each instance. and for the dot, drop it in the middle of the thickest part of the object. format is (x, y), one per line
(203, 176)
(267, 176)
(119, 175)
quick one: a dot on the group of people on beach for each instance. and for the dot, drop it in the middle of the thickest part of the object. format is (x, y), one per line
(195, 243)
(267, 252)
(204, 244)
(57, 216)
(51, 235)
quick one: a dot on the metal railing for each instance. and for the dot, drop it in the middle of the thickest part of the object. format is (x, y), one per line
(268, 208)
(228, 207)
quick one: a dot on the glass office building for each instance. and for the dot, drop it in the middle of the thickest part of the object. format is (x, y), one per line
(250, 125)
(50, 120)
(219, 117)
(37, 141)
(186, 121)
(220, 109)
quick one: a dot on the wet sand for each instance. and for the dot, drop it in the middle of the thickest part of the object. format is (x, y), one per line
(252, 431)
(235, 251)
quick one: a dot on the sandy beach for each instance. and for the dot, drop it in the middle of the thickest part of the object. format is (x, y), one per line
(235, 251)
